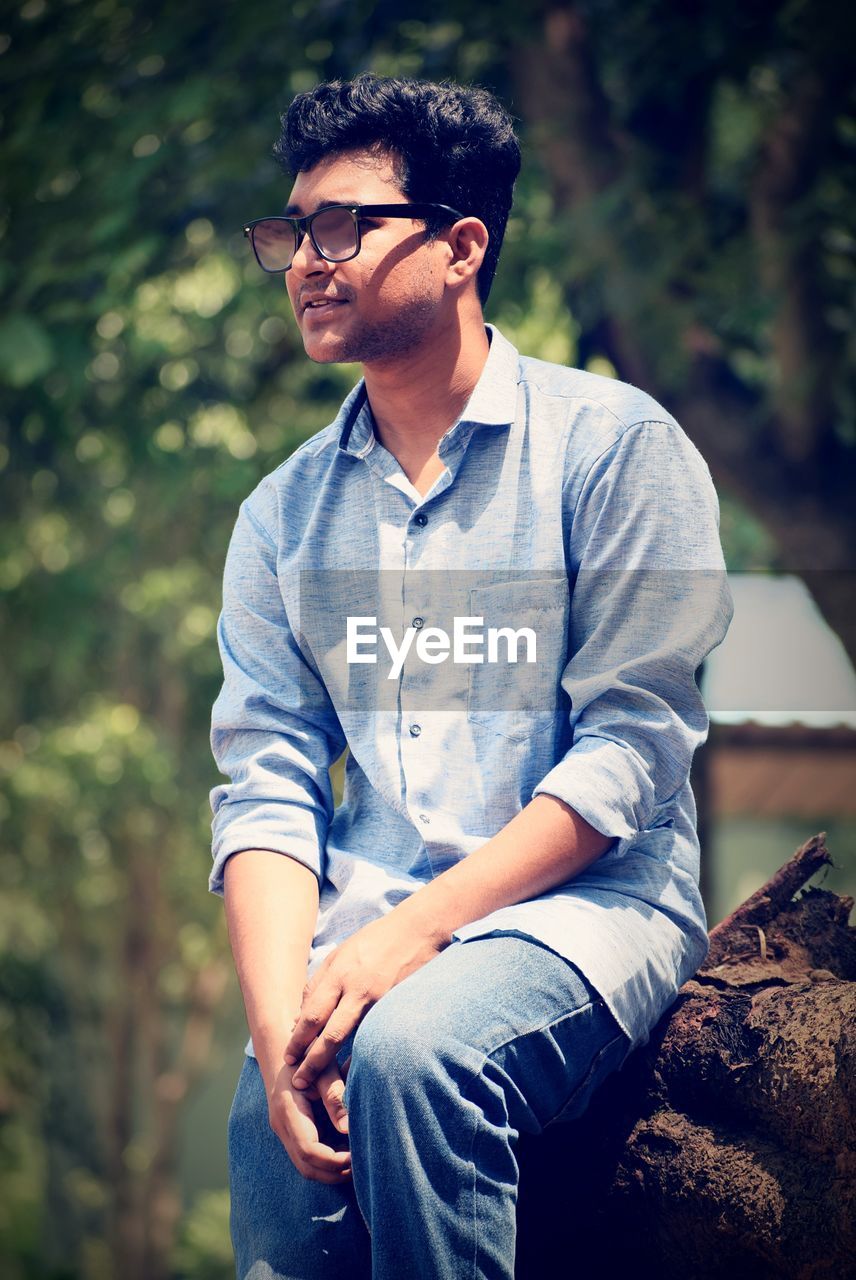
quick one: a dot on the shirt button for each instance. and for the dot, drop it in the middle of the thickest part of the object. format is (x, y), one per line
(415, 730)
(423, 817)
(418, 622)
(421, 519)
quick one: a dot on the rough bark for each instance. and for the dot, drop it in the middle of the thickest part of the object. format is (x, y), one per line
(726, 1147)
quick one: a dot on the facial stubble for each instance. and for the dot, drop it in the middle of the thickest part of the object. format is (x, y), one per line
(379, 342)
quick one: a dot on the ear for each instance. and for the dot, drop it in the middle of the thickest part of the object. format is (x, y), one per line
(468, 240)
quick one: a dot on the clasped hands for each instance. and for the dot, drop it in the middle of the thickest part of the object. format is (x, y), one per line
(336, 998)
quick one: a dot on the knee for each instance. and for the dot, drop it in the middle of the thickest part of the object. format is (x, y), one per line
(396, 1049)
(389, 1040)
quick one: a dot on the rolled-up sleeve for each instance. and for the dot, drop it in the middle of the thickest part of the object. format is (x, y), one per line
(650, 600)
(274, 732)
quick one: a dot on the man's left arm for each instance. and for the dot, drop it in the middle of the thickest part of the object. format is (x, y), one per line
(544, 845)
(650, 600)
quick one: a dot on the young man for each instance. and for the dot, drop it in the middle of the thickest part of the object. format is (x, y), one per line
(506, 901)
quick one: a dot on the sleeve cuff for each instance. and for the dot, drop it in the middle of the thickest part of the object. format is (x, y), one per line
(611, 794)
(267, 832)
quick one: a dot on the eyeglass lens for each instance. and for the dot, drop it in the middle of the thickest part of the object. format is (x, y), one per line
(333, 230)
(335, 233)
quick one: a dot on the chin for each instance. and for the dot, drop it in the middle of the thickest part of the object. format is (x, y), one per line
(325, 349)
(372, 341)
(325, 357)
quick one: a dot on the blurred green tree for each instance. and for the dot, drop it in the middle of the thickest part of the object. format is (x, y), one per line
(682, 220)
(701, 161)
(150, 381)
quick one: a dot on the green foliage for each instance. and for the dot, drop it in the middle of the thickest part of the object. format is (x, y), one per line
(151, 380)
(203, 1253)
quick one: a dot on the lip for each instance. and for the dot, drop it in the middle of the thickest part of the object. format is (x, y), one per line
(320, 305)
(320, 315)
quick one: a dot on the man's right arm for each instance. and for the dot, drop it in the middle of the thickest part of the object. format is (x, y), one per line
(274, 733)
(271, 904)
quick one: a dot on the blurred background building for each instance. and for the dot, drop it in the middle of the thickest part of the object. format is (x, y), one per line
(780, 763)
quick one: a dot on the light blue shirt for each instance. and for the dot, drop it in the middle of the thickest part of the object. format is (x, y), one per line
(570, 505)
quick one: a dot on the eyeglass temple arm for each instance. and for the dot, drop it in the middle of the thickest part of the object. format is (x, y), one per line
(381, 210)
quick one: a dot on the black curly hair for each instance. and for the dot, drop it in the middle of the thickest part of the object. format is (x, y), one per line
(449, 144)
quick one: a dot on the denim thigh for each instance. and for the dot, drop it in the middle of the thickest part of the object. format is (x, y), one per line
(518, 1032)
(285, 1226)
(505, 1008)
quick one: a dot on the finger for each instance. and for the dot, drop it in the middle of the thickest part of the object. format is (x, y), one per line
(312, 983)
(321, 1054)
(331, 1089)
(318, 1168)
(313, 1156)
(298, 1132)
(327, 1044)
(326, 1160)
(313, 1019)
(323, 1159)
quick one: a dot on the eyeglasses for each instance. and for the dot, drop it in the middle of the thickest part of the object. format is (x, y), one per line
(335, 231)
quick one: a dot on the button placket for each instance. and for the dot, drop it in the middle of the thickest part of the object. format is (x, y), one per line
(414, 729)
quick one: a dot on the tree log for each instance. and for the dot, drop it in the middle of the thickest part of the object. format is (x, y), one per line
(725, 1148)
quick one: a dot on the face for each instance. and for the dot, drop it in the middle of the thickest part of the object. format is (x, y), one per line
(386, 302)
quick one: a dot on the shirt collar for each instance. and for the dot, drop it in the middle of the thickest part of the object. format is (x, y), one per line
(492, 403)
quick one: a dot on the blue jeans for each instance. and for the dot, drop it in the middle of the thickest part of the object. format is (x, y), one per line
(494, 1036)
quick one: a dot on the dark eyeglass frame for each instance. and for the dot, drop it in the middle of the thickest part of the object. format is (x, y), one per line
(303, 226)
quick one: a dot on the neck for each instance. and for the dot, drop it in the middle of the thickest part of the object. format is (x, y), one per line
(415, 399)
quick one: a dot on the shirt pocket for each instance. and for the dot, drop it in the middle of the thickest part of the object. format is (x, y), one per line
(519, 698)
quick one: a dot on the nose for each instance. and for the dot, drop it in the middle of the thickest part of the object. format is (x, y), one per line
(307, 261)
